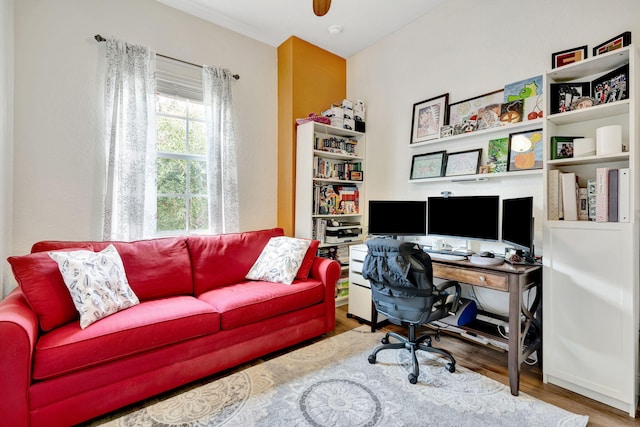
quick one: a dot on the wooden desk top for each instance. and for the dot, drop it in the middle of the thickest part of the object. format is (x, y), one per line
(504, 267)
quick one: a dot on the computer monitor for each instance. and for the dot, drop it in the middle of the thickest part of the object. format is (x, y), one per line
(517, 224)
(466, 217)
(397, 218)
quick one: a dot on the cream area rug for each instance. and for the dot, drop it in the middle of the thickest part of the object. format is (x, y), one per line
(331, 383)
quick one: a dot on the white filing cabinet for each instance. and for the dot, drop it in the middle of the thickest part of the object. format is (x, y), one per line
(359, 288)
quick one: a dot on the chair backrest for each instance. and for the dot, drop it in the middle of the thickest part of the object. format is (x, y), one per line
(401, 278)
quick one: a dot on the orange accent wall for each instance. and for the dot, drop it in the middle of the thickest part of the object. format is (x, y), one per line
(310, 79)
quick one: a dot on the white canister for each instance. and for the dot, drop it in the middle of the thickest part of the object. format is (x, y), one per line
(609, 139)
(583, 147)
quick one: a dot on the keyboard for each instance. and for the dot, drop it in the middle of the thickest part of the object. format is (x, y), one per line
(449, 257)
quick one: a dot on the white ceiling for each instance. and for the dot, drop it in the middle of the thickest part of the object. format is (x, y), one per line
(273, 21)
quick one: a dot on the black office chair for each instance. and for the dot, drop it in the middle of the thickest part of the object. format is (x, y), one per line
(402, 289)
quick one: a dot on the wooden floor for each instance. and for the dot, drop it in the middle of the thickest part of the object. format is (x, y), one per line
(493, 364)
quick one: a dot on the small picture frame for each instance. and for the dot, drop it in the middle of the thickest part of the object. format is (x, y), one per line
(463, 162)
(356, 176)
(611, 87)
(428, 165)
(483, 169)
(615, 43)
(564, 95)
(568, 56)
(525, 150)
(562, 147)
(428, 117)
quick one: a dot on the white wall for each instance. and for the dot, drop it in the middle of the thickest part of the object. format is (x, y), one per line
(57, 180)
(467, 48)
(6, 140)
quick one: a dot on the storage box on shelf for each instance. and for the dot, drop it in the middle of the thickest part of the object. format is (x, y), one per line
(590, 294)
(329, 192)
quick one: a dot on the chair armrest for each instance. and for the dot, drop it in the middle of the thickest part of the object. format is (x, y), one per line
(18, 335)
(328, 272)
(456, 296)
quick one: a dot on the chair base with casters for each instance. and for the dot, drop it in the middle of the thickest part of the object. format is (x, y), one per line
(402, 289)
(413, 344)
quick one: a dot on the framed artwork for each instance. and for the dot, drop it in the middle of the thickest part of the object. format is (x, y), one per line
(489, 116)
(428, 117)
(564, 96)
(498, 155)
(523, 89)
(525, 150)
(568, 56)
(562, 147)
(612, 86)
(463, 115)
(617, 42)
(512, 112)
(463, 162)
(522, 100)
(428, 165)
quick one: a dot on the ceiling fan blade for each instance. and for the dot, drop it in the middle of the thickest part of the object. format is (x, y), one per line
(321, 7)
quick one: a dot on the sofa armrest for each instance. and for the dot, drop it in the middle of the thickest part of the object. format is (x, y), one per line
(18, 335)
(328, 272)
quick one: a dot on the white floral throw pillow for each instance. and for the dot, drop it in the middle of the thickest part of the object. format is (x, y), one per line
(96, 281)
(280, 260)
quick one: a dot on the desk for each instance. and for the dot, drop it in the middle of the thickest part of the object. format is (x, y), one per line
(514, 279)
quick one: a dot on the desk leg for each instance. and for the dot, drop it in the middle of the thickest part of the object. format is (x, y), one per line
(515, 300)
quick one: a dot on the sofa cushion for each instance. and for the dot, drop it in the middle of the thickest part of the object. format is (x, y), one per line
(96, 281)
(279, 260)
(225, 259)
(253, 301)
(41, 283)
(156, 268)
(307, 262)
(144, 327)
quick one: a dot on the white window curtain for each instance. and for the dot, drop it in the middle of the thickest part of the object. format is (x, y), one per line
(222, 178)
(130, 194)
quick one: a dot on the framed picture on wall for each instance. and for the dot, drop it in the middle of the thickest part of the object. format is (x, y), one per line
(428, 165)
(428, 117)
(525, 150)
(463, 115)
(463, 162)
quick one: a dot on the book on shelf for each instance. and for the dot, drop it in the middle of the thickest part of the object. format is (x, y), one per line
(591, 198)
(336, 253)
(602, 194)
(570, 196)
(613, 195)
(583, 204)
(329, 199)
(553, 195)
(334, 169)
(335, 144)
(608, 195)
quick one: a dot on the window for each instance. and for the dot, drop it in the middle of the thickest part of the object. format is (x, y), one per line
(181, 174)
(181, 165)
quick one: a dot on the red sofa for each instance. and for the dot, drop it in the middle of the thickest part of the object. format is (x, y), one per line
(198, 315)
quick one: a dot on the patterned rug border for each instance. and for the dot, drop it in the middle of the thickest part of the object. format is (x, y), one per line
(331, 383)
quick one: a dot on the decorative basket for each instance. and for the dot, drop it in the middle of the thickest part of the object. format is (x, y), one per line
(314, 118)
